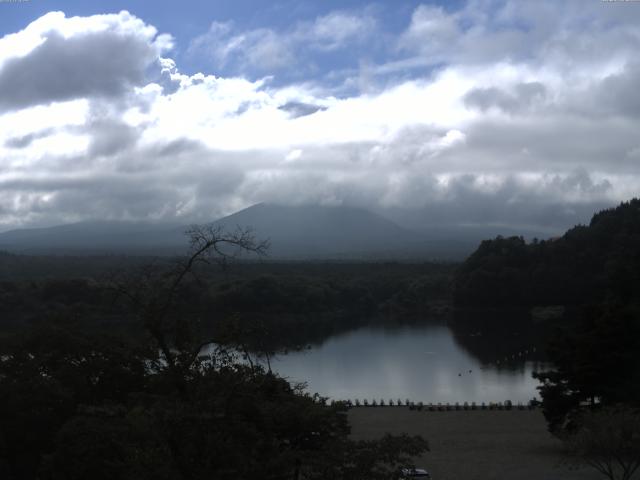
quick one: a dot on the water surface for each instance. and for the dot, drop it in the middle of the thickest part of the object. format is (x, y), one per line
(421, 363)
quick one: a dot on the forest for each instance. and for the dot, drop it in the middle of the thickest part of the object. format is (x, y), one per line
(322, 297)
(586, 264)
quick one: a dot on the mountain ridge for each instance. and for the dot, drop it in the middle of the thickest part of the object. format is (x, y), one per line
(295, 232)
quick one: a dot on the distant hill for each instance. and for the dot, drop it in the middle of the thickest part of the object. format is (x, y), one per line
(317, 231)
(327, 232)
(96, 238)
(585, 265)
(295, 232)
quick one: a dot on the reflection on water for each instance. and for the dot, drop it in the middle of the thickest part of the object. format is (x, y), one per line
(422, 363)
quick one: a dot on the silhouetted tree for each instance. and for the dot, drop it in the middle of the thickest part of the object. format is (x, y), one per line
(607, 440)
(596, 362)
(588, 264)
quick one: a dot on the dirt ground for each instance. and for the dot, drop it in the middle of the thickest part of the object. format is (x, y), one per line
(470, 445)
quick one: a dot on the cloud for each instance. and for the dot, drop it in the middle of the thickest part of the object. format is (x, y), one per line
(569, 36)
(300, 109)
(494, 112)
(431, 30)
(25, 140)
(266, 50)
(618, 93)
(335, 30)
(522, 96)
(261, 49)
(74, 58)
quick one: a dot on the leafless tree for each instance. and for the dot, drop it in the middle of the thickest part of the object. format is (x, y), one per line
(153, 291)
(607, 440)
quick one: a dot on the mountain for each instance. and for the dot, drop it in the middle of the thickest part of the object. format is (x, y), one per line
(295, 232)
(300, 232)
(96, 238)
(327, 232)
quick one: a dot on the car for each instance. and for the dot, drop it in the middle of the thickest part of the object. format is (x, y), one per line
(411, 473)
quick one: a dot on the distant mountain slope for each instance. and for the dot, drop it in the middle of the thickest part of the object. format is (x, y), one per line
(449, 239)
(301, 232)
(319, 231)
(295, 232)
(96, 237)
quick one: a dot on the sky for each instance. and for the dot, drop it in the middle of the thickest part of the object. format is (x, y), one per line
(516, 112)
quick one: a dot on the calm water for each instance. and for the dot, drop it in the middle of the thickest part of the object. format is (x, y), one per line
(422, 363)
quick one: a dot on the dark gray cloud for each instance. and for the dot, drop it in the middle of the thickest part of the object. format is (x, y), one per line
(541, 203)
(549, 141)
(102, 64)
(547, 204)
(301, 109)
(521, 97)
(618, 93)
(110, 136)
(188, 184)
(24, 141)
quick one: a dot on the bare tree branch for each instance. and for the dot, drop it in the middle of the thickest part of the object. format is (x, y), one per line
(608, 440)
(153, 290)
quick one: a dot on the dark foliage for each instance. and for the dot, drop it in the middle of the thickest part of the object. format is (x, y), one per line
(84, 400)
(298, 303)
(593, 270)
(608, 440)
(597, 363)
(583, 266)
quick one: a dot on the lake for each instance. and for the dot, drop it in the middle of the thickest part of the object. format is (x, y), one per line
(422, 363)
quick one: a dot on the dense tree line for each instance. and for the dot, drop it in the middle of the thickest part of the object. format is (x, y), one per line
(17, 267)
(300, 303)
(582, 266)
